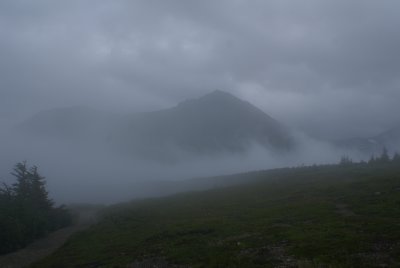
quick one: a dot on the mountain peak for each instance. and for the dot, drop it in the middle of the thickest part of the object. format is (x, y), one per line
(215, 122)
(216, 98)
(219, 94)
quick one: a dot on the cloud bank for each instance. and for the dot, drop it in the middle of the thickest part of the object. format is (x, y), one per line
(327, 67)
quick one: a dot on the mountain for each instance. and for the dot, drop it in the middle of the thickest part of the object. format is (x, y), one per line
(390, 137)
(217, 122)
(375, 144)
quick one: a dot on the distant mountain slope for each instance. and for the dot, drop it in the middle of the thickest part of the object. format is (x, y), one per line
(216, 122)
(389, 139)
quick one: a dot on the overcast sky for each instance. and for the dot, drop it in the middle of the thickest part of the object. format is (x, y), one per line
(329, 67)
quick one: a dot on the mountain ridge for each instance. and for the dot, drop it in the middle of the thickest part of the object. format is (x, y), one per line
(387, 139)
(214, 123)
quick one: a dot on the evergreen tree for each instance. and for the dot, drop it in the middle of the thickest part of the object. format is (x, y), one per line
(30, 187)
(372, 160)
(39, 194)
(11, 229)
(345, 161)
(384, 158)
(22, 186)
(26, 212)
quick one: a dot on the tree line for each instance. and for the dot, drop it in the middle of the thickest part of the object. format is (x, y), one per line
(384, 158)
(26, 211)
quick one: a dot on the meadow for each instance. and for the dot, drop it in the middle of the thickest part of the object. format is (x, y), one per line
(345, 215)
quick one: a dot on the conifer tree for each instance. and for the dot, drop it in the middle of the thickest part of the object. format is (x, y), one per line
(372, 160)
(26, 212)
(384, 158)
(22, 186)
(345, 161)
(39, 194)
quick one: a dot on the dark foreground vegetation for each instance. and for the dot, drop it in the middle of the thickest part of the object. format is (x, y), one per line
(26, 212)
(345, 215)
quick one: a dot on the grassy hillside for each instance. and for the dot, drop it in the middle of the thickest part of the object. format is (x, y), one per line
(338, 216)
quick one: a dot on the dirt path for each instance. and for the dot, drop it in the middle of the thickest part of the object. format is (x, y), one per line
(45, 246)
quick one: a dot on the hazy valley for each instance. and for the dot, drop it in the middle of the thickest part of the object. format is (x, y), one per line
(150, 154)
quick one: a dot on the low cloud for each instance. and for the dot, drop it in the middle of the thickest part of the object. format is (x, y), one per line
(82, 172)
(315, 64)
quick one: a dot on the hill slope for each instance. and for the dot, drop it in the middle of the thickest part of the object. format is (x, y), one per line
(389, 139)
(342, 216)
(215, 123)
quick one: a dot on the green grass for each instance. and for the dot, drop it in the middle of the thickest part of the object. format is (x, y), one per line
(324, 216)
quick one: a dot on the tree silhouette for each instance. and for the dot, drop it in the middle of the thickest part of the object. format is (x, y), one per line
(26, 212)
(345, 160)
(372, 160)
(384, 158)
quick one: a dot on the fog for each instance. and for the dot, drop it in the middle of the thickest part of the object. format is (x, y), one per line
(326, 70)
(95, 173)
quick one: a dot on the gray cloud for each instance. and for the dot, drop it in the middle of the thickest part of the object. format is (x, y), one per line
(329, 67)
